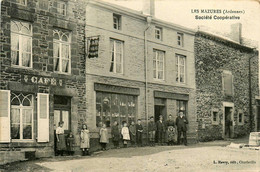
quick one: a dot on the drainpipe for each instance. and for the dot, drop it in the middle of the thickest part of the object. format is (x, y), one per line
(149, 20)
(250, 92)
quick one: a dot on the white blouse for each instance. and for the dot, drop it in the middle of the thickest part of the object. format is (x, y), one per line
(59, 130)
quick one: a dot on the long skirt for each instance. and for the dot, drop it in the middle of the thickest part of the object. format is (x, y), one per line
(61, 145)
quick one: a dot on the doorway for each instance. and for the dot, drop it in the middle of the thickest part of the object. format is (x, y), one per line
(159, 109)
(258, 117)
(228, 124)
(62, 112)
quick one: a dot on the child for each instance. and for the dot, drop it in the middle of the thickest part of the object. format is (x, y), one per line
(103, 137)
(70, 144)
(139, 131)
(61, 143)
(171, 133)
(151, 131)
(125, 133)
(132, 131)
(84, 145)
(115, 134)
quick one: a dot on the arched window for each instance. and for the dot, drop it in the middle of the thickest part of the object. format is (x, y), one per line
(21, 116)
(61, 51)
(21, 44)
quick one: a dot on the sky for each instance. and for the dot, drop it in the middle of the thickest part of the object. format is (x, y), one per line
(179, 12)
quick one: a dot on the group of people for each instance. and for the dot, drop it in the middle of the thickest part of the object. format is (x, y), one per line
(165, 131)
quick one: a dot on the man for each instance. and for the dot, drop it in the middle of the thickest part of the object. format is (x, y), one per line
(151, 131)
(160, 127)
(181, 122)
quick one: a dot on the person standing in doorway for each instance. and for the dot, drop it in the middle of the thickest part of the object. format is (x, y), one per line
(132, 131)
(139, 132)
(84, 135)
(160, 127)
(61, 142)
(151, 131)
(181, 122)
(115, 134)
(228, 123)
(103, 136)
(70, 144)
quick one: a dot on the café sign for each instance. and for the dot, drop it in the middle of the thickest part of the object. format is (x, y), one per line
(43, 80)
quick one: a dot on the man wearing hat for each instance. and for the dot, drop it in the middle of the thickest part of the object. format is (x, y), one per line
(181, 122)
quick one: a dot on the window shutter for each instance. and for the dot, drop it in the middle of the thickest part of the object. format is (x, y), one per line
(4, 116)
(228, 84)
(43, 117)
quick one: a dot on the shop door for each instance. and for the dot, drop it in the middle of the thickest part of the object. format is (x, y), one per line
(62, 113)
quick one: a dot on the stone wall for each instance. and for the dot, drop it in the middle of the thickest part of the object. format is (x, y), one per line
(212, 56)
(44, 19)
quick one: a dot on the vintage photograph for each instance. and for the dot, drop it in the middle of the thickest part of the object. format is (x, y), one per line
(129, 85)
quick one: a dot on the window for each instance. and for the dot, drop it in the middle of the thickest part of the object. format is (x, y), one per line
(158, 33)
(117, 21)
(116, 53)
(22, 2)
(180, 68)
(112, 107)
(62, 106)
(21, 116)
(158, 64)
(180, 39)
(60, 7)
(240, 118)
(61, 51)
(181, 106)
(214, 116)
(227, 80)
(21, 44)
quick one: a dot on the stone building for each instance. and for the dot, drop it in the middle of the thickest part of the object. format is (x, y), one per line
(223, 86)
(137, 66)
(42, 74)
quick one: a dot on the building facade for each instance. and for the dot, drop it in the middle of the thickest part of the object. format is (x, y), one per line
(143, 67)
(42, 73)
(223, 93)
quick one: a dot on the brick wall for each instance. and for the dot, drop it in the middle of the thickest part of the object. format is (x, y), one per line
(212, 56)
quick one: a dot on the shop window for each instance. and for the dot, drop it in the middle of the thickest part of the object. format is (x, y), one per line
(115, 107)
(158, 33)
(21, 116)
(180, 68)
(180, 39)
(240, 118)
(181, 106)
(158, 64)
(21, 44)
(117, 21)
(227, 80)
(116, 54)
(214, 117)
(61, 51)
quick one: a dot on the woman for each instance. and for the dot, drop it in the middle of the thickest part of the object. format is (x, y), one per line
(170, 130)
(61, 143)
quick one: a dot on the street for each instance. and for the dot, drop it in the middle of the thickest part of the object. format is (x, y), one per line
(213, 156)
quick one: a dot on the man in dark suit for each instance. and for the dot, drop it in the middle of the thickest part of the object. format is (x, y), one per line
(181, 122)
(160, 128)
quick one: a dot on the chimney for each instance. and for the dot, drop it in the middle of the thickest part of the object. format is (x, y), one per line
(148, 7)
(236, 31)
